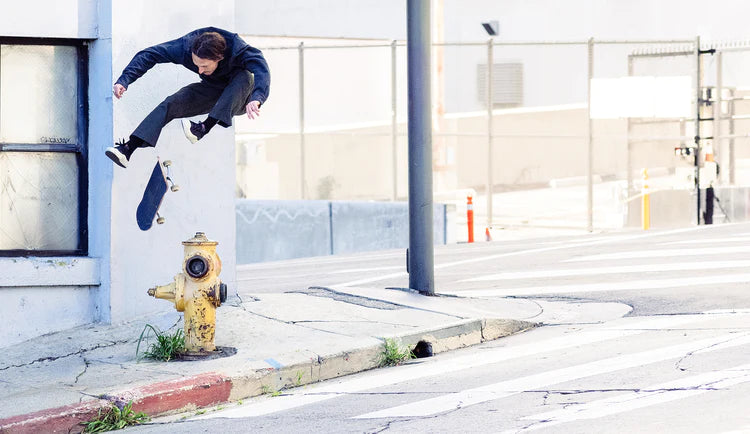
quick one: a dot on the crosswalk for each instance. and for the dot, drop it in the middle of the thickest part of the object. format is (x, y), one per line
(626, 351)
(732, 337)
(667, 264)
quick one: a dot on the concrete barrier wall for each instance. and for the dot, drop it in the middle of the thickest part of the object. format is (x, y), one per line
(270, 230)
(677, 208)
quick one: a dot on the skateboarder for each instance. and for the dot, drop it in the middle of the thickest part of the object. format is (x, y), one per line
(234, 80)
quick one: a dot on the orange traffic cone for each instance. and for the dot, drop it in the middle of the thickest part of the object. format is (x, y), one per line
(709, 152)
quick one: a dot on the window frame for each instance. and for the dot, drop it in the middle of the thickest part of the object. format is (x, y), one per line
(80, 148)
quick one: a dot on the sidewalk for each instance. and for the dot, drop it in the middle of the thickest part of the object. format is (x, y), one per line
(52, 383)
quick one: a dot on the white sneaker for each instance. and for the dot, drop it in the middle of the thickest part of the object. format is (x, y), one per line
(191, 130)
(120, 154)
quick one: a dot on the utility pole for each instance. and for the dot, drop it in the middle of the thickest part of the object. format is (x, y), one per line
(420, 256)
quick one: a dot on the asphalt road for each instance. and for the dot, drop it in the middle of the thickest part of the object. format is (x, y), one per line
(678, 362)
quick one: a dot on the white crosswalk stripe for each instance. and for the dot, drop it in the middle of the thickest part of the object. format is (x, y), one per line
(507, 388)
(623, 269)
(607, 286)
(645, 397)
(662, 253)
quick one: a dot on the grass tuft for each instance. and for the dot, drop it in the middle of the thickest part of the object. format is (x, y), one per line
(394, 353)
(167, 346)
(114, 418)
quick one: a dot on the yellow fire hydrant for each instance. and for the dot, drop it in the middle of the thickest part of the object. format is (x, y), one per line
(197, 292)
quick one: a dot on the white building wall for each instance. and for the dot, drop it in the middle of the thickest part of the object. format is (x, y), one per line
(43, 295)
(205, 171)
(519, 20)
(49, 18)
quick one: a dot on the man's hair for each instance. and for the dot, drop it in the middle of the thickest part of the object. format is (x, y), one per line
(209, 45)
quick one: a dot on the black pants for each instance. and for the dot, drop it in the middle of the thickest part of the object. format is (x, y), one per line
(221, 103)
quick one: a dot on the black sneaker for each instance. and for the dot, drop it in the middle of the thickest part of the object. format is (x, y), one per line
(194, 131)
(120, 153)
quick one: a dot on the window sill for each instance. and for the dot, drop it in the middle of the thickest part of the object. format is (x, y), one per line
(54, 271)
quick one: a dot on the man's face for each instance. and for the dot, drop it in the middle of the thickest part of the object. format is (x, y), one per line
(205, 66)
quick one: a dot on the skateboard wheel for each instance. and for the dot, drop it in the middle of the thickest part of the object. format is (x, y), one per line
(175, 188)
(167, 163)
(160, 220)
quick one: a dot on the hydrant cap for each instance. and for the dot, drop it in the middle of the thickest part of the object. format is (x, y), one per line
(199, 239)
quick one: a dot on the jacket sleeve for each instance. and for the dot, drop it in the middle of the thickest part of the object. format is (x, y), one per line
(253, 61)
(168, 52)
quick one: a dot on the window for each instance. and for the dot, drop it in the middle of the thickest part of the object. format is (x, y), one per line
(507, 84)
(43, 152)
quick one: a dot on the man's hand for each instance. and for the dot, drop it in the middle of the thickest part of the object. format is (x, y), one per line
(118, 90)
(253, 109)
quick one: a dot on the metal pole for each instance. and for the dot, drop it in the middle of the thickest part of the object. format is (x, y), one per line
(590, 158)
(302, 118)
(420, 253)
(698, 128)
(731, 107)
(394, 123)
(718, 142)
(629, 145)
(490, 62)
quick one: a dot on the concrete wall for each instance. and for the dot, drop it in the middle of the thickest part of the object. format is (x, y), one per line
(677, 208)
(110, 284)
(383, 19)
(43, 295)
(552, 76)
(205, 171)
(51, 18)
(276, 230)
(518, 19)
(531, 147)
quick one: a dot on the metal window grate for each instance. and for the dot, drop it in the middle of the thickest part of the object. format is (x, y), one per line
(507, 84)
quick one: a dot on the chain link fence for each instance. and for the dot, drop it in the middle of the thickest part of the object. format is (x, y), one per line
(335, 125)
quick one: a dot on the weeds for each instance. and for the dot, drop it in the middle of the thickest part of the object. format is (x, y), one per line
(114, 418)
(394, 354)
(267, 390)
(298, 382)
(167, 346)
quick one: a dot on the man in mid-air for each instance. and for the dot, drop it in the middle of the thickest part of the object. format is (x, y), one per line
(234, 80)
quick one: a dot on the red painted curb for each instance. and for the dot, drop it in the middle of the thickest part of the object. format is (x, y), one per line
(55, 420)
(200, 390)
(154, 399)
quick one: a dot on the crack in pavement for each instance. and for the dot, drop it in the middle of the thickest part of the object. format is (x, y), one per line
(548, 393)
(301, 323)
(691, 353)
(75, 353)
(353, 322)
(85, 368)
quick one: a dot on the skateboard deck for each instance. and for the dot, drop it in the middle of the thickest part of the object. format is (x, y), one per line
(153, 196)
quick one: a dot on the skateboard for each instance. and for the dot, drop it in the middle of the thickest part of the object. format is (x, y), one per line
(153, 196)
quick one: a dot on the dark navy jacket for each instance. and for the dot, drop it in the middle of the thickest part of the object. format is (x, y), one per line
(238, 55)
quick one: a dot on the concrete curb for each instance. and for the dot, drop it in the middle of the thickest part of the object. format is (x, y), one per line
(213, 388)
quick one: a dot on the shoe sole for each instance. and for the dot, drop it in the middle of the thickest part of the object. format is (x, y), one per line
(186, 129)
(117, 157)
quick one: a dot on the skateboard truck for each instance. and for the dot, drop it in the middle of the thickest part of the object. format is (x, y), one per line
(174, 187)
(148, 209)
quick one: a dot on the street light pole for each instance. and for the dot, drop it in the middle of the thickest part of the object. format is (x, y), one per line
(420, 254)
